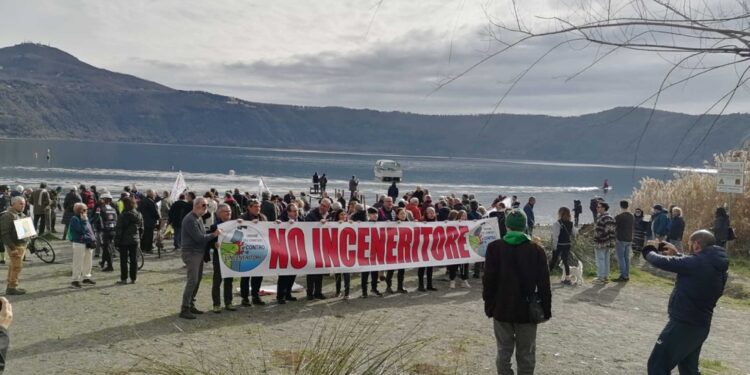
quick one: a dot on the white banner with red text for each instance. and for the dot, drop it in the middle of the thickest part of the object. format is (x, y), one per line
(291, 248)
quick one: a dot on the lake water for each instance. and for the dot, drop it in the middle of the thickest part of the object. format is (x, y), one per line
(114, 165)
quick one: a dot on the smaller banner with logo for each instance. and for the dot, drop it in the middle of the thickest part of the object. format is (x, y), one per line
(271, 249)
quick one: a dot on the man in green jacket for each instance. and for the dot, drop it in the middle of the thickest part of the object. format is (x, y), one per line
(16, 248)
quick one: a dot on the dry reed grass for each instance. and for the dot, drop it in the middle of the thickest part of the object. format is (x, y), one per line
(696, 194)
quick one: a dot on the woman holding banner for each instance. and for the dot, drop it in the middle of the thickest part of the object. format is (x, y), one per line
(429, 216)
(341, 217)
(463, 268)
(400, 216)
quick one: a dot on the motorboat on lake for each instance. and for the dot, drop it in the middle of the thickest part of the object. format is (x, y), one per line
(388, 170)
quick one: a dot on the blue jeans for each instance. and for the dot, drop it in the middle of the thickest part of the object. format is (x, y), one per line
(602, 262)
(622, 249)
(679, 344)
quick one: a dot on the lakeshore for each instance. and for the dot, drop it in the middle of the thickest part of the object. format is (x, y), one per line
(116, 329)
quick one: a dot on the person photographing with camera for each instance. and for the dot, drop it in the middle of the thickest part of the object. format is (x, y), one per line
(701, 276)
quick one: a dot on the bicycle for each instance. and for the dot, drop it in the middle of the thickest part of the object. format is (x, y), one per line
(42, 248)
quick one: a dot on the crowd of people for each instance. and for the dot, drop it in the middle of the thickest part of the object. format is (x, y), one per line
(516, 269)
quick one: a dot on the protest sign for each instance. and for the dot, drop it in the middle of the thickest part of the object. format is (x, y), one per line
(272, 249)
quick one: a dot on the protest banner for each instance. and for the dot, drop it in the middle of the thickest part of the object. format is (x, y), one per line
(272, 249)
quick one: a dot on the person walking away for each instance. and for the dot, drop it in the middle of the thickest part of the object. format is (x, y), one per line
(223, 214)
(515, 272)
(659, 223)
(106, 225)
(721, 226)
(676, 228)
(624, 226)
(128, 233)
(177, 213)
(83, 240)
(54, 206)
(15, 247)
(563, 235)
(701, 278)
(528, 209)
(150, 214)
(577, 210)
(604, 242)
(194, 242)
(393, 191)
(353, 187)
(70, 200)
(42, 204)
(323, 183)
(250, 286)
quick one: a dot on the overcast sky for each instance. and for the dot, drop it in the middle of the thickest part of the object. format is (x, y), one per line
(387, 55)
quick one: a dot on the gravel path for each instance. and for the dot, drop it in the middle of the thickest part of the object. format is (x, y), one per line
(594, 330)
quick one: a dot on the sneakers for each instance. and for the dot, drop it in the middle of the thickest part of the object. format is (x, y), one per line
(566, 282)
(466, 284)
(431, 289)
(388, 290)
(186, 314)
(230, 307)
(621, 279)
(402, 291)
(217, 310)
(246, 302)
(258, 301)
(14, 291)
(89, 282)
(599, 281)
(376, 292)
(347, 297)
(121, 282)
(75, 285)
(337, 295)
(452, 284)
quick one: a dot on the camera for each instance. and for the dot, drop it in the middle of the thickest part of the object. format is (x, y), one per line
(662, 247)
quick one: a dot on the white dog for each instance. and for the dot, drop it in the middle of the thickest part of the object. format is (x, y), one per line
(576, 273)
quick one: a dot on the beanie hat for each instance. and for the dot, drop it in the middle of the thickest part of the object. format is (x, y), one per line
(515, 220)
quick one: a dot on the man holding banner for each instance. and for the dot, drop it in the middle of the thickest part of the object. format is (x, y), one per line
(251, 285)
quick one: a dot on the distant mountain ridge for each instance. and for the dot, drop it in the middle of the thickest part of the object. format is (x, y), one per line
(48, 93)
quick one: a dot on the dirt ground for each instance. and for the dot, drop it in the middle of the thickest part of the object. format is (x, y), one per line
(594, 330)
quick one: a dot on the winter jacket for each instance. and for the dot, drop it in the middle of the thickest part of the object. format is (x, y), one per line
(314, 215)
(721, 228)
(393, 192)
(41, 201)
(70, 200)
(660, 224)
(178, 211)
(80, 231)
(676, 229)
(625, 222)
(8, 228)
(193, 235)
(149, 212)
(700, 282)
(528, 209)
(563, 233)
(511, 263)
(129, 229)
(604, 232)
(269, 209)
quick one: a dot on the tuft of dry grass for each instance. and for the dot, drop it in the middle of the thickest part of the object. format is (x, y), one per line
(696, 194)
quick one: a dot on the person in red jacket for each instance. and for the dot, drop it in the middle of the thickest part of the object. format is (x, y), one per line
(516, 271)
